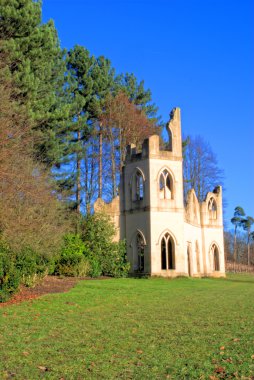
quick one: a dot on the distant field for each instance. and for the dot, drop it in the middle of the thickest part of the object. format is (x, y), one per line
(133, 329)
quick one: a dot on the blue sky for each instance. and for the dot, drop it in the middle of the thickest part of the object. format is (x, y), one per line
(194, 54)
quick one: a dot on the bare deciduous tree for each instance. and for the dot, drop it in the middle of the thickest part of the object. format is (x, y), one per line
(201, 171)
(123, 123)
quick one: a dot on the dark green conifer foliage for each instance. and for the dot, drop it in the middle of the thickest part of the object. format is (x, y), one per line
(90, 81)
(64, 95)
(37, 67)
(75, 133)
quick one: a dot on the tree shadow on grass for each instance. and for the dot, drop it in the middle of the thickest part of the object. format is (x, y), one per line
(240, 281)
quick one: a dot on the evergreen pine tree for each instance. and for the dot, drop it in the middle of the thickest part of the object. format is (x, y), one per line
(37, 67)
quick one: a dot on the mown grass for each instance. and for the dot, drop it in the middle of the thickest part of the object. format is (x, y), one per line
(133, 329)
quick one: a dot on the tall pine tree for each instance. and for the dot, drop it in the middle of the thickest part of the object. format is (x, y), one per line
(37, 67)
(76, 132)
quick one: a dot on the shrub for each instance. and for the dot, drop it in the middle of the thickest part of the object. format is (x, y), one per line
(94, 252)
(97, 232)
(72, 260)
(9, 275)
(106, 256)
(95, 267)
(26, 267)
(114, 261)
(32, 266)
(72, 267)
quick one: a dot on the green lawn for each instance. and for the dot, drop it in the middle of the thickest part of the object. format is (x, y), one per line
(133, 329)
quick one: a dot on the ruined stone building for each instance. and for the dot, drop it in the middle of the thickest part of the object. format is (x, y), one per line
(165, 237)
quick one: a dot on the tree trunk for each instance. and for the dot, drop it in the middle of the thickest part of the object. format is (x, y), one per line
(248, 245)
(86, 181)
(100, 164)
(113, 164)
(89, 173)
(78, 167)
(235, 246)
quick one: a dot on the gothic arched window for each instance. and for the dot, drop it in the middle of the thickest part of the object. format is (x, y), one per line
(212, 209)
(165, 185)
(140, 252)
(137, 186)
(215, 258)
(167, 252)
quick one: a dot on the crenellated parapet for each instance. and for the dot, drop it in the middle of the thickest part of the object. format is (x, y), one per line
(151, 146)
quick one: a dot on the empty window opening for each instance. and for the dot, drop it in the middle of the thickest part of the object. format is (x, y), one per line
(215, 258)
(163, 255)
(140, 252)
(167, 253)
(165, 185)
(139, 187)
(212, 209)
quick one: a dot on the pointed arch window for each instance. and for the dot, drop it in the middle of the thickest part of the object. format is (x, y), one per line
(212, 209)
(215, 258)
(139, 186)
(140, 252)
(167, 253)
(165, 185)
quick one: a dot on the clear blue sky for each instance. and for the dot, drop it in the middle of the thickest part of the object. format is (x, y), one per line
(194, 54)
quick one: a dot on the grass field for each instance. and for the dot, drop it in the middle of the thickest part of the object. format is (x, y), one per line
(133, 329)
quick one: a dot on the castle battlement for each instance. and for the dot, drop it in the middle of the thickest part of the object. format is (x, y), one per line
(151, 146)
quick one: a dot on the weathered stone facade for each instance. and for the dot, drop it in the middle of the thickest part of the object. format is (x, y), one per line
(164, 237)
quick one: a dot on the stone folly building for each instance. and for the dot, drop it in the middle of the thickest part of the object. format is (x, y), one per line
(165, 237)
